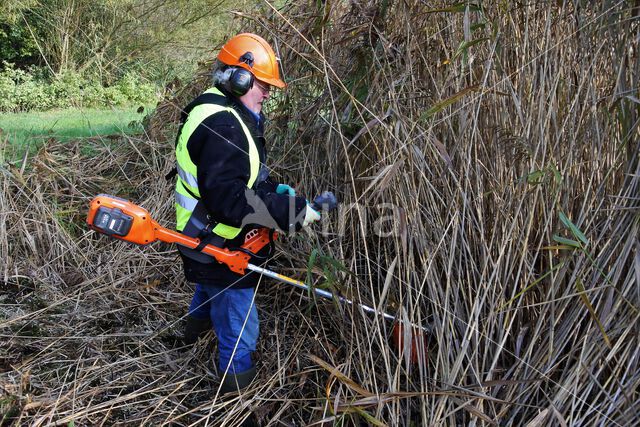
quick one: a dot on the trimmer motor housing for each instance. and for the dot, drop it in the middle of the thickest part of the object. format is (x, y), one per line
(122, 219)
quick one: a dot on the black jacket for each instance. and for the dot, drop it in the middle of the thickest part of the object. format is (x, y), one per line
(219, 148)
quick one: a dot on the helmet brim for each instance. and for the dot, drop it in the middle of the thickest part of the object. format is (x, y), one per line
(273, 82)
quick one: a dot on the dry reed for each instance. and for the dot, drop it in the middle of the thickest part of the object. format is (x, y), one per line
(503, 140)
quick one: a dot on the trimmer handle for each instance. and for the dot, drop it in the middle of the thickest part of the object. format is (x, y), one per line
(327, 201)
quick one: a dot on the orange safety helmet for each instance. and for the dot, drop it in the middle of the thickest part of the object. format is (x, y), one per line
(265, 64)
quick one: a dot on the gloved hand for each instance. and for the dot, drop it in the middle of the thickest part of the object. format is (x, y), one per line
(310, 215)
(285, 189)
(325, 201)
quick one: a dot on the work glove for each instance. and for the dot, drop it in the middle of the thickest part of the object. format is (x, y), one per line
(285, 189)
(310, 215)
(325, 201)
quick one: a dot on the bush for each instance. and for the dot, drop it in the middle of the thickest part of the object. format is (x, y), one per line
(7, 90)
(93, 95)
(31, 94)
(19, 90)
(113, 96)
(66, 89)
(34, 89)
(135, 89)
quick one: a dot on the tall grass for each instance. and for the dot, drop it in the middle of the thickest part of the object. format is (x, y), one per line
(504, 141)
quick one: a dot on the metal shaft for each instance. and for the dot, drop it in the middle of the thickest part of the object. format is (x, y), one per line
(321, 292)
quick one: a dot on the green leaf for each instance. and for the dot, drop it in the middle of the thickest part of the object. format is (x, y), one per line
(534, 283)
(336, 264)
(556, 174)
(535, 176)
(466, 45)
(370, 419)
(565, 241)
(439, 106)
(558, 247)
(592, 311)
(574, 230)
(478, 26)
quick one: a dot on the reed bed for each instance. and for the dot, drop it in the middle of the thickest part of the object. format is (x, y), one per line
(487, 162)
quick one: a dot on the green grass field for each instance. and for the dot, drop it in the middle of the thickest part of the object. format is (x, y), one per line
(27, 131)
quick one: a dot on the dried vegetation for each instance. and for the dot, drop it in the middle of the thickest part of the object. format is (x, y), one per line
(487, 161)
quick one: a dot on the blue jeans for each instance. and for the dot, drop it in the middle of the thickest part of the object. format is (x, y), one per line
(234, 318)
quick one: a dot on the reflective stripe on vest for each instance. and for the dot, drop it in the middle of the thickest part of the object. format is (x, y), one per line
(187, 183)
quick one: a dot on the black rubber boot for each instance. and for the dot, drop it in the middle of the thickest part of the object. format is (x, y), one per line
(237, 382)
(195, 328)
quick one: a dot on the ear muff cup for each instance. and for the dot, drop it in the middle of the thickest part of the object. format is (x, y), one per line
(236, 80)
(240, 81)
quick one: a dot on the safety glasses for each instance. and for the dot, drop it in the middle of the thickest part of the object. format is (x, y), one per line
(263, 87)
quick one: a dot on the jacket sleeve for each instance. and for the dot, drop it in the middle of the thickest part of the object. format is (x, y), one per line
(220, 150)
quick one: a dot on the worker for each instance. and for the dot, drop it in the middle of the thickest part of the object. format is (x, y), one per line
(224, 191)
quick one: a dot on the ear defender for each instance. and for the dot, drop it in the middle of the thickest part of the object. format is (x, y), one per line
(237, 80)
(240, 81)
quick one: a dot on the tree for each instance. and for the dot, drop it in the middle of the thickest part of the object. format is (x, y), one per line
(17, 38)
(108, 37)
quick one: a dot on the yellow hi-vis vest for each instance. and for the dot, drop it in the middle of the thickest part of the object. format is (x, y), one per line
(187, 183)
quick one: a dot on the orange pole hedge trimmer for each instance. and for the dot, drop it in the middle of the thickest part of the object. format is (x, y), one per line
(121, 219)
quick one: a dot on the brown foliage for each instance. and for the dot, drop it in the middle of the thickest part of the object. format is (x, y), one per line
(505, 141)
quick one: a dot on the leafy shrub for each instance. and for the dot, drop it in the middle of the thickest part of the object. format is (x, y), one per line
(66, 89)
(33, 89)
(93, 95)
(31, 94)
(26, 92)
(113, 96)
(7, 90)
(134, 89)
